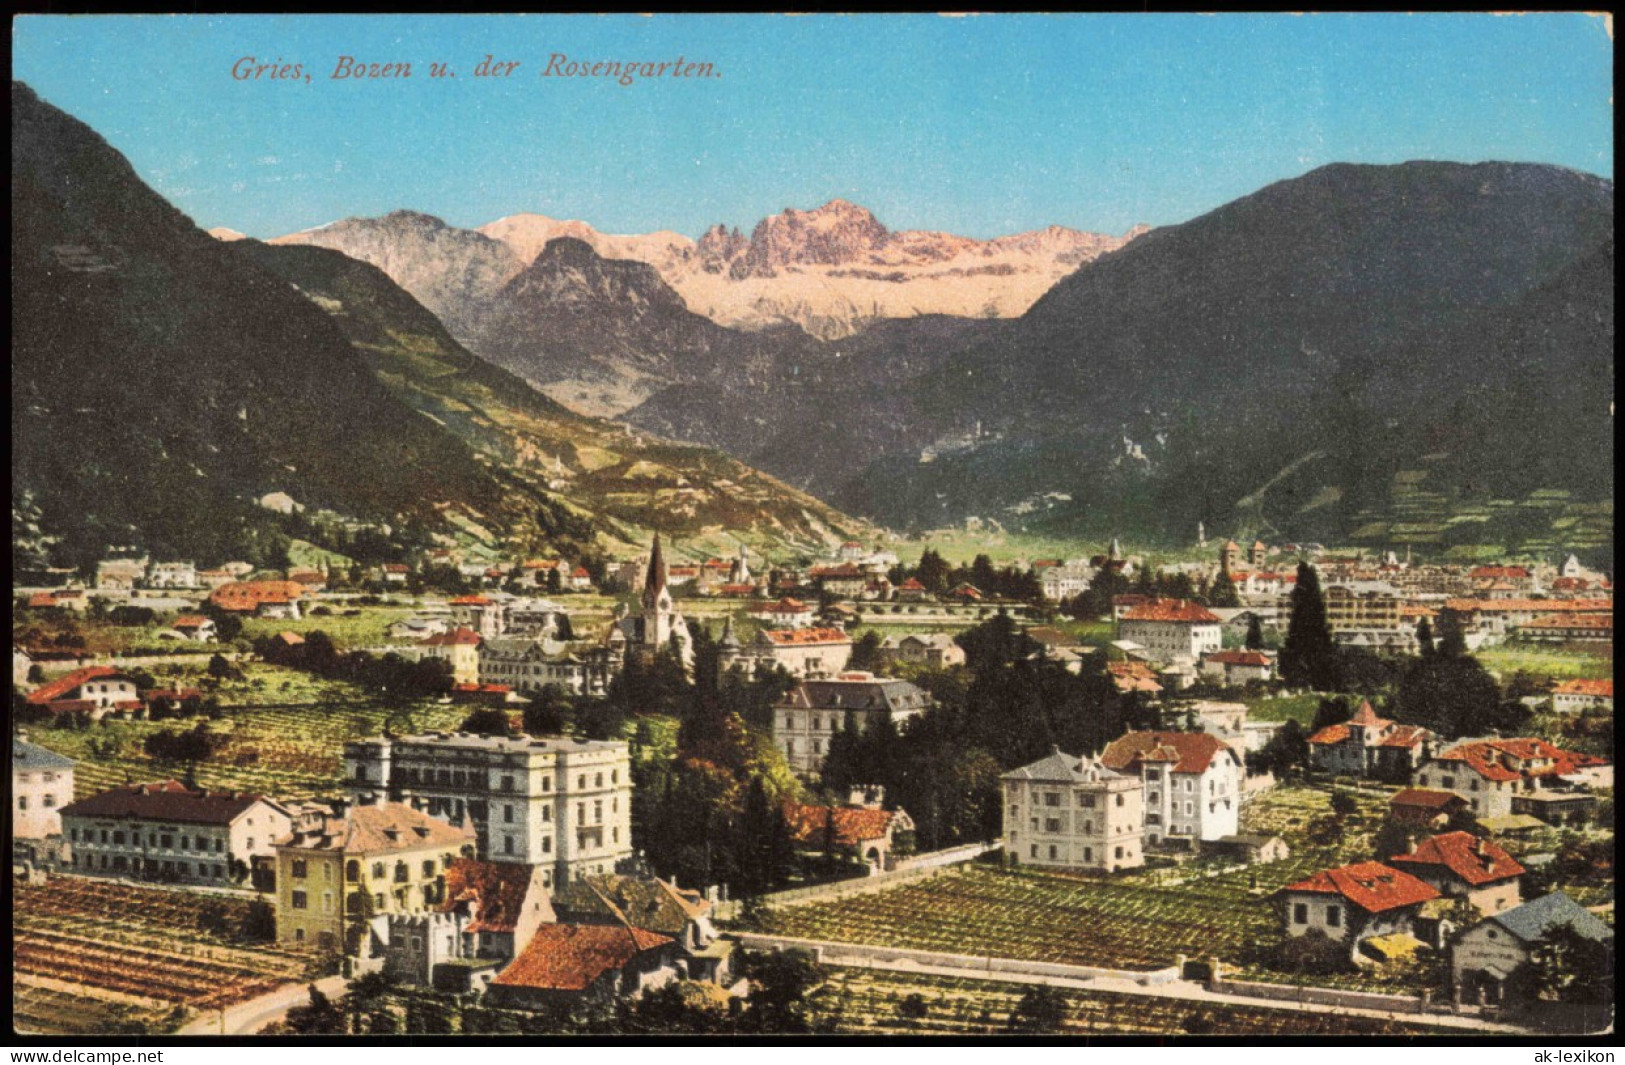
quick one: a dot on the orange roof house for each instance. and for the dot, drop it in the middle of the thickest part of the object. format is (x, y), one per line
(252, 597)
(1461, 856)
(564, 962)
(1372, 886)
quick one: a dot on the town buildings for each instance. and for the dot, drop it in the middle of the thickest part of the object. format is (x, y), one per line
(41, 785)
(334, 876)
(559, 803)
(808, 718)
(660, 626)
(1172, 630)
(1487, 960)
(1193, 784)
(1067, 812)
(167, 831)
(1462, 865)
(1368, 745)
(1354, 903)
(94, 691)
(1489, 773)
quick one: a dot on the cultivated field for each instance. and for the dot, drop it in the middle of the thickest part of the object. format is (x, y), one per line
(94, 956)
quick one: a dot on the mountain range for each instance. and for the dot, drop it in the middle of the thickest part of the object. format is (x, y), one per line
(163, 380)
(1417, 354)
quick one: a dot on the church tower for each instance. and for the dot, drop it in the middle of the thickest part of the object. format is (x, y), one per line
(657, 605)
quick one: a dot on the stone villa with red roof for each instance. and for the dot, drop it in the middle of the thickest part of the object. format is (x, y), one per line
(564, 964)
(487, 915)
(1424, 808)
(1368, 745)
(460, 648)
(167, 831)
(815, 652)
(373, 862)
(864, 832)
(1236, 668)
(1066, 812)
(265, 599)
(1490, 773)
(1193, 784)
(1354, 903)
(1462, 865)
(1578, 696)
(95, 691)
(1172, 630)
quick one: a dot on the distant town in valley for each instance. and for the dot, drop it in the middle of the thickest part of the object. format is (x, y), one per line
(821, 628)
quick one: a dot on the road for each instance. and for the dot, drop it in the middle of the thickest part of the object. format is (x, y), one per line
(1189, 992)
(249, 1017)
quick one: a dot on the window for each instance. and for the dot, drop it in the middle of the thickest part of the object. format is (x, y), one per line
(547, 783)
(507, 844)
(428, 868)
(1052, 799)
(377, 870)
(167, 841)
(507, 815)
(507, 783)
(598, 811)
(1053, 853)
(614, 776)
(1334, 917)
(1086, 801)
(248, 844)
(299, 900)
(202, 844)
(298, 868)
(352, 871)
(1034, 850)
(1119, 800)
(50, 801)
(402, 873)
(1118, 851)
(598, 781)
(298, 935)
(1088, 854)
(1052, 825)
(547, 844)
(581, 782)
(1300, 913)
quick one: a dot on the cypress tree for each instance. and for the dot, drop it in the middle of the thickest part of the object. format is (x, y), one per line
(1424, 637)
(1309, 657)
(1255, 634)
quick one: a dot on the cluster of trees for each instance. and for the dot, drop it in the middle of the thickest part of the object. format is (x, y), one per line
(939, 577)
(195, 745)
(1107, 584)
(1004, 709)
(391, 675)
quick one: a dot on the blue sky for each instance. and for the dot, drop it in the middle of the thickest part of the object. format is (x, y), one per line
(977, 125)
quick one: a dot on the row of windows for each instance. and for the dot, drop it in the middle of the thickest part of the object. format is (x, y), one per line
(166, 840)
(28, 778)
(1055, 853)
(1334, 915)
(118, 863)
(48, 802)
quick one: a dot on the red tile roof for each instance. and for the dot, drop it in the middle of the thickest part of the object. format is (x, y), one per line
(1405, 736)
(796, 637)
(471, 600)
(497, 889)
(1367, 717)
(42, 600)
(1600, 688)
(1470, 859)
(248, 595)
(911, 585)
(1180, 610)
(563, 957)
(1500, 572)
(1372, 886)
(1240, 658)
(169, 800)
(1331, 734)
(61, 686)
(845, 569)
(190, 621)
(1195, 750)
(381, 828)
(1426, 798)
(454, 638)
(1595, 622)
(854, 825)
(1488, 758)
(1556, 606)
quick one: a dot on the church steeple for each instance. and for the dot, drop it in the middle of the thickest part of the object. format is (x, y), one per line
(654, 582)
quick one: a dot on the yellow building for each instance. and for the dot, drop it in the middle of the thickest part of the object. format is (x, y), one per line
(378, 860)
(460, 647)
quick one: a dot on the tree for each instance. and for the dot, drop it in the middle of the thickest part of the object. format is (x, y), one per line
(778, 1002)
(1222, 592)
(1287, 750)
(1452, 640)
(913, 1008)
(1569, 967)
(1424, 638)
(1451, 694)
(1309, 656)
(1255, 633)
(866, 653)
(1041, 1009)
(318, 1017)
(486, 721)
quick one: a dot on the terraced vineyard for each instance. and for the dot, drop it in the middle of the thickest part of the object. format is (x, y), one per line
(1141, 920)
(867, 1001)
(288, 751)
(95, 956)
(1042, 916)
